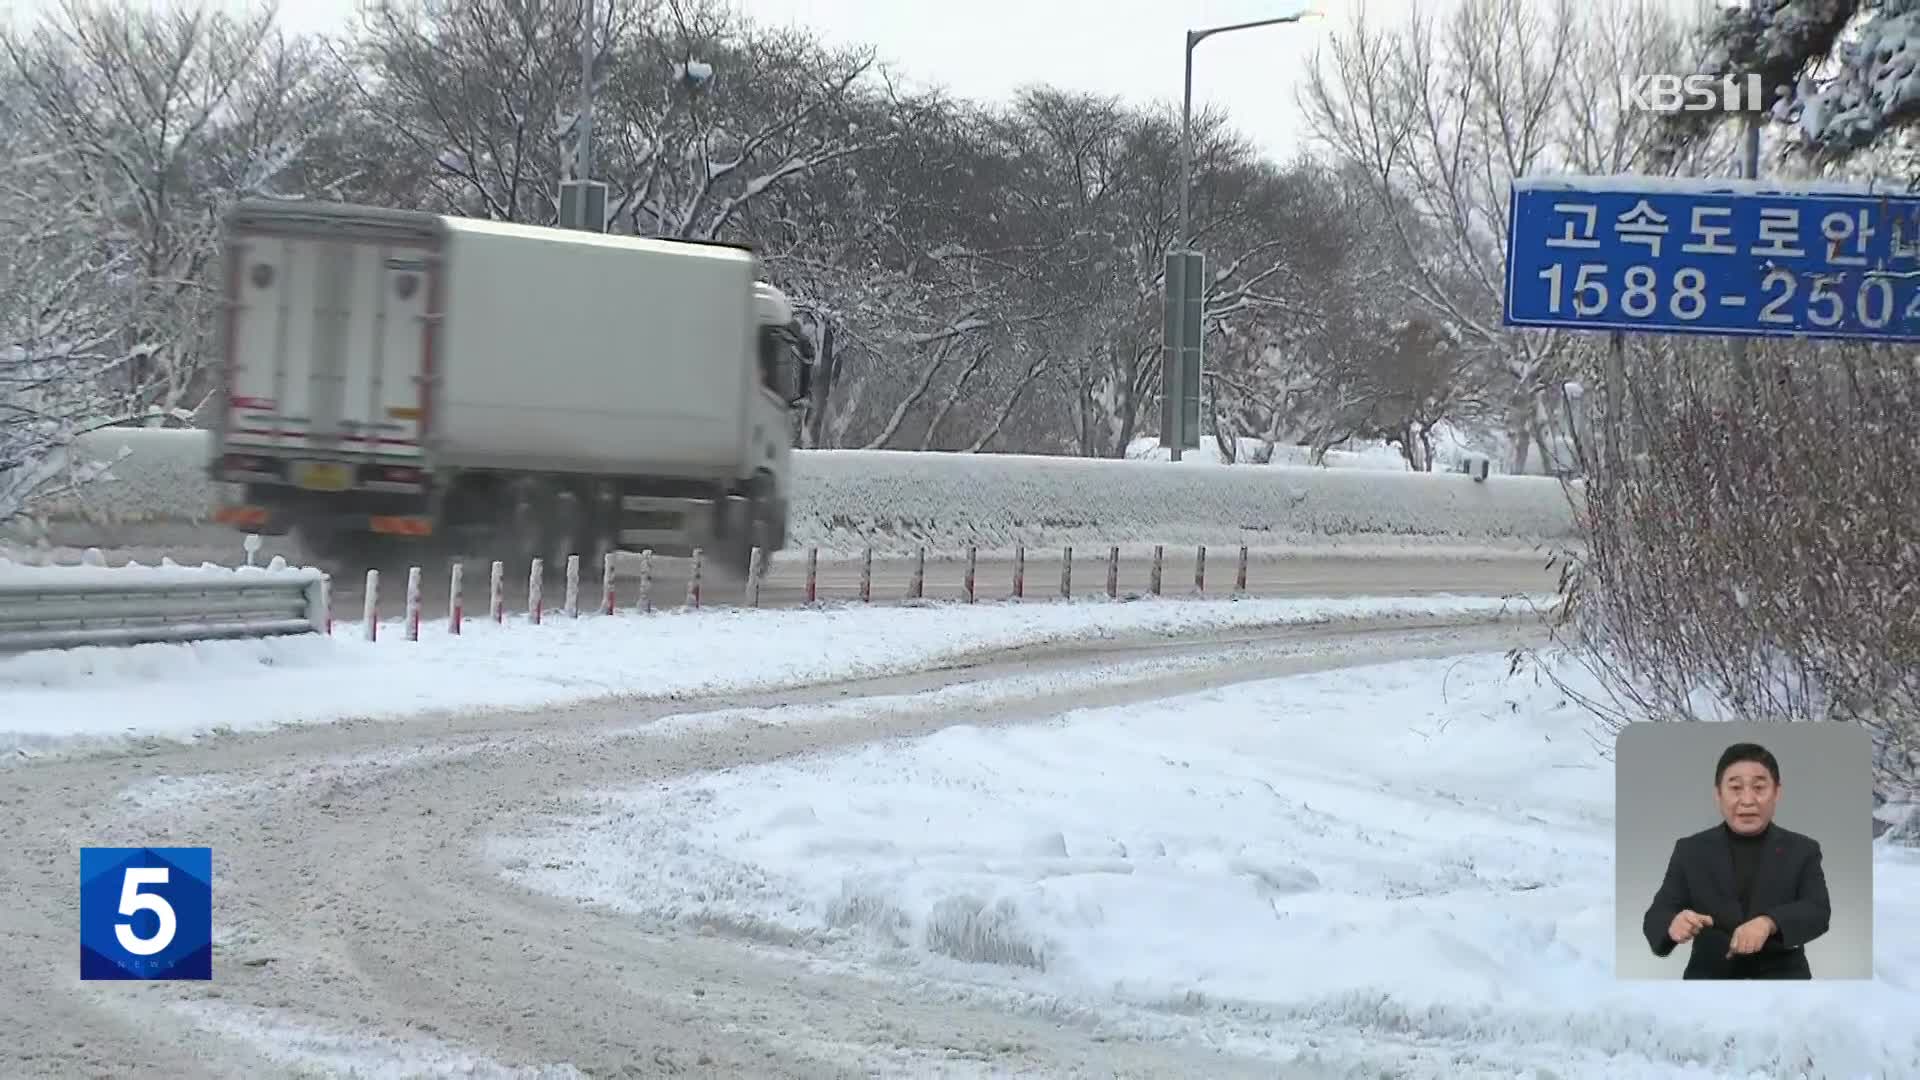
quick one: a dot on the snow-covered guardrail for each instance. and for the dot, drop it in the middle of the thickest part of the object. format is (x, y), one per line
(48, 607)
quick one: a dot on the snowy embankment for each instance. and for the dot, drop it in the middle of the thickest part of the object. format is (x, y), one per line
(92, 572)
(846, 500)
(84, 697)
(1404, 869)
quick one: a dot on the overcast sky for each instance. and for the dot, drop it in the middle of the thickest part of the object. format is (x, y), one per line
(990, 48)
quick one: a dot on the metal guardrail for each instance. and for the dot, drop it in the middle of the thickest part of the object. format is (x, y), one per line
(53, 614)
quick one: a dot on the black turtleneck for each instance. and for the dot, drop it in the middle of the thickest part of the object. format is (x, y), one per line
(1747, 851)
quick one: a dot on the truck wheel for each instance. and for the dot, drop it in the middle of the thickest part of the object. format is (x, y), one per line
(757, 530)
(761, 536)
(564, 529)
(523, 531)
(603, 524)
(342, 550)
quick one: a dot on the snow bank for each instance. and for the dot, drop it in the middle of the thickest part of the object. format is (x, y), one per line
(1398, 870)
(134, 575)
(844, 500)
(1355, 455)
(897, 500)
(153, 474)
(110, 695)
(1453, 447)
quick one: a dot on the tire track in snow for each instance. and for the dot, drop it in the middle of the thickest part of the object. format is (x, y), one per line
(351, 894)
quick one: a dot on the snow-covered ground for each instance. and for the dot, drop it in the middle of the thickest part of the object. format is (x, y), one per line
(844, 500)
(1401, 870)
(1454, 447)
(312, 1050)
(92, 696)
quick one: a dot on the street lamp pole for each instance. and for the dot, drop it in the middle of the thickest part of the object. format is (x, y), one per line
(1183, 240)
(583, 169)
(583, 203)
(1194, 38)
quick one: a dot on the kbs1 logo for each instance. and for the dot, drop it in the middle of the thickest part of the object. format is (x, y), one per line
(146, 913)
(1702, 93)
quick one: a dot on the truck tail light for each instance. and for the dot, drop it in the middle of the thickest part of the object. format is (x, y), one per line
(401, 474)
(243, 463)
(401, 526)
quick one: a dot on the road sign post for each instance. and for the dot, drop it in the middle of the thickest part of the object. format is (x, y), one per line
(1713, 257)
(583, 205)
(1181, 351)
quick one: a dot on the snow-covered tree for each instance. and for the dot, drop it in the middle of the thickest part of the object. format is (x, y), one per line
(1441, 114)
(696, 111)
(165, 118)
(60, 310)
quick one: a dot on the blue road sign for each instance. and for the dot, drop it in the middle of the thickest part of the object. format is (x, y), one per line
(1724, 257)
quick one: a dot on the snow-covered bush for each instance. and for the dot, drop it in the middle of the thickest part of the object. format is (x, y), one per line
(1753, 546)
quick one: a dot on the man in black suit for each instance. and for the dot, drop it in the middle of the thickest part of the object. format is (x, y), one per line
(1746, 893)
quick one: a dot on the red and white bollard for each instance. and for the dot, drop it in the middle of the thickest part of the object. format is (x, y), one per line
(456, 607)
(645, 603)
(972, 564)
(1159, 558)
(413, 603)
(536, 589)
(573, 587)
(1200, 570)
(693, 578)
(756, 565)
(608, 597)
(370, 606)
(813, 575)
(1066, 573)
(497, 592)
(917, 588)
(866, 575)
(1240, 576)
(1113, 572)
(1019, 571)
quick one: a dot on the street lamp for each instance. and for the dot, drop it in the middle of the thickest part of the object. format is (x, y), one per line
(1173, 387)
(1194, 38)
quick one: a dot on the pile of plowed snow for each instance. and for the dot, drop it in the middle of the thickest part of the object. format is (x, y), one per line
(893, 501)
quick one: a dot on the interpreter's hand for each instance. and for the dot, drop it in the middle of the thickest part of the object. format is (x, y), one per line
(1686, 924)
(1751, 936)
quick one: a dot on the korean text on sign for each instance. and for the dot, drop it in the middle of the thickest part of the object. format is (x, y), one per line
(1728, 262)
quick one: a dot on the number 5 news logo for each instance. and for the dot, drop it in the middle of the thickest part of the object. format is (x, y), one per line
(146, 913)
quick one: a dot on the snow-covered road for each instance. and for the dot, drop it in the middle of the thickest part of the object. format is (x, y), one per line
(361, 920)
(1317, 851)
(98, 699)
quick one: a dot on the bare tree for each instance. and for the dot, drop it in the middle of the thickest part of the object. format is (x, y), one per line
(59, 318)
(697, 112)
(166, 118)
(1441, 115)
(1097, 199)
(479, 95)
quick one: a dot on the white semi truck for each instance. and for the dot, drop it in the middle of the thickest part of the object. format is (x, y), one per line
(486, 387)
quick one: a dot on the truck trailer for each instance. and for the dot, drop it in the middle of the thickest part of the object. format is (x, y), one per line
(399, 377)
